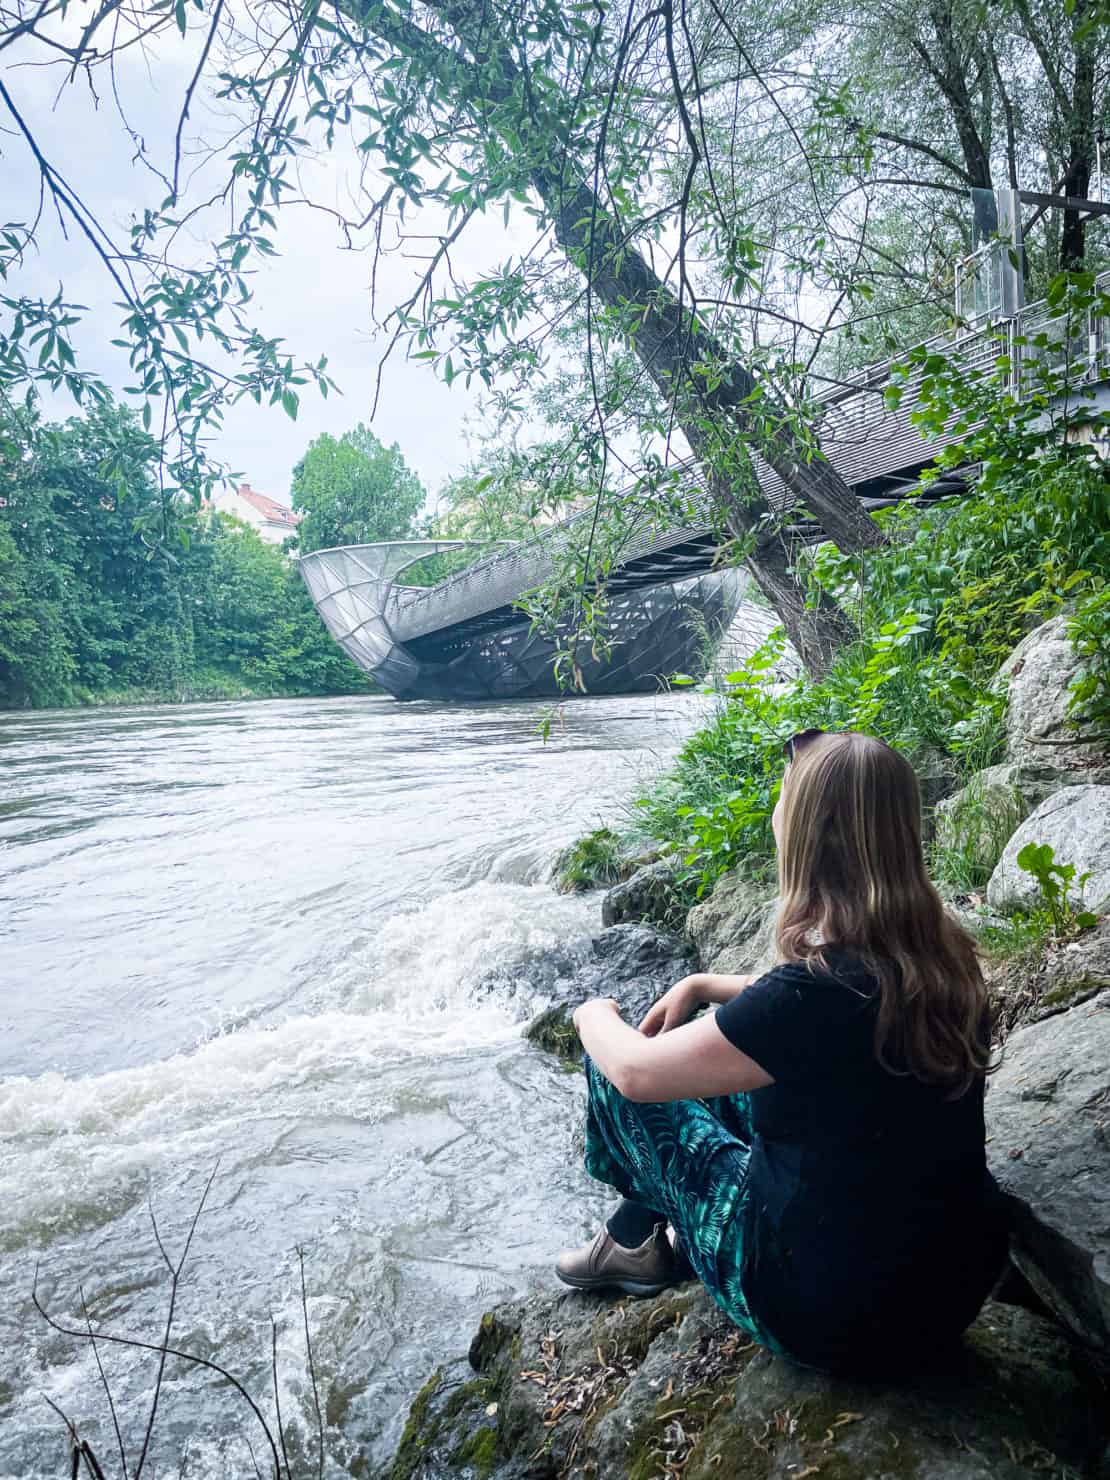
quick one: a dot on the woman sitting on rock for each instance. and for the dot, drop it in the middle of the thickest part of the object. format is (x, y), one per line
(816, 1142)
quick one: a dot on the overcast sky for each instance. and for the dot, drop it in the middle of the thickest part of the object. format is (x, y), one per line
(315, 294)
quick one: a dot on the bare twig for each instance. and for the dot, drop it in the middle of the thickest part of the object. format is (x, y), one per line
(175, 1279)
(277, 1393)
(254, 1461)
(312, 1369)
(107, 1389)
(150, 1346)
(80, 1448)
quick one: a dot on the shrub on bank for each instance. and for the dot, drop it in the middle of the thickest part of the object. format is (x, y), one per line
(938, 610)
(594, 860)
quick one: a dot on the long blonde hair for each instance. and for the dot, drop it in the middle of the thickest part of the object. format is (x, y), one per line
(852, 874)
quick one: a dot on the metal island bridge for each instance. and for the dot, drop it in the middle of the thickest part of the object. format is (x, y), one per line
(466, 639)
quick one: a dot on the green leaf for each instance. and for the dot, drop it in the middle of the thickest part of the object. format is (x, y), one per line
(1036, 858)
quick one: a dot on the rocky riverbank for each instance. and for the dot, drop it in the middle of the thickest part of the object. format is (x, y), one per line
(571, 1385)
(568, 1385)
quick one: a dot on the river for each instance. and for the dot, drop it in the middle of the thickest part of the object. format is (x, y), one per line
(244, 942)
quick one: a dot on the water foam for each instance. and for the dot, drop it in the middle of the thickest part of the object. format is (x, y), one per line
(431, 958)
(72, 1147)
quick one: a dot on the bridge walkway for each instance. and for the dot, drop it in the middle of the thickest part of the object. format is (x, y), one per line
(877, 449)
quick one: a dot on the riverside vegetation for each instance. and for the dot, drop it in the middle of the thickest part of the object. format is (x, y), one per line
(112, 591)
(938, 609)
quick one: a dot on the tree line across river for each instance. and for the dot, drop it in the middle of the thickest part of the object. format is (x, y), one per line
(101, 603)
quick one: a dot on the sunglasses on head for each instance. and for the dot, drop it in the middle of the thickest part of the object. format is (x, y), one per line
(798, 742)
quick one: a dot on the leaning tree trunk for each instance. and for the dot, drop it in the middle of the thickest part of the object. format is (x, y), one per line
(669, 340)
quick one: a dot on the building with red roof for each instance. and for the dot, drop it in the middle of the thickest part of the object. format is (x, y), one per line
(274, 522)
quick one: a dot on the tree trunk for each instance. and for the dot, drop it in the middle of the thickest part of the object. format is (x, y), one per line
(1081, 142)
(950, 75)
(668, 340)
(817, 627)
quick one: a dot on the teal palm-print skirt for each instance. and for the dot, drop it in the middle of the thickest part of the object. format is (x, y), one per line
(687, 1159)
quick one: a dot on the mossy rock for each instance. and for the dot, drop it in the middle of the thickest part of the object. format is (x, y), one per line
(478, 1452)
(653, 895)
(643, 1390)
(446, 1428)
(554, 1032)
(634, 964)
(593, 862)
(497, 1330)
(1008, 1404)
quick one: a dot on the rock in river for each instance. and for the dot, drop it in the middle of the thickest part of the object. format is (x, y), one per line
(649, 896)
(632, 963)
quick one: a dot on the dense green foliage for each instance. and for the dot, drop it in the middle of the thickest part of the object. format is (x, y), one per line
(90, 610)
(354, 490)
(938, 609)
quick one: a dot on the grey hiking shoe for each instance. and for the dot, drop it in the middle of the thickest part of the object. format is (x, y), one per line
(604, 1263)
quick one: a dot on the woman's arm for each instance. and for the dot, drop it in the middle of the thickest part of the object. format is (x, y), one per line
(688, 1063)
(717, 988)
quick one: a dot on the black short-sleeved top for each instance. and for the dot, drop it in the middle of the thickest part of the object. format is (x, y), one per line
(873, 1228)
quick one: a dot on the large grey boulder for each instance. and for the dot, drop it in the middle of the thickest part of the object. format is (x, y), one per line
(633, 964)
(977, 821)
(1040, 729)
(1048, 1125)
(574, 1385)
(733, 929)
(1075, 822)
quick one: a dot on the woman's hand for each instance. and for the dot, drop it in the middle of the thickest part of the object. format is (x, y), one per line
(683, 999)
(593, 1003)
(675, 1006)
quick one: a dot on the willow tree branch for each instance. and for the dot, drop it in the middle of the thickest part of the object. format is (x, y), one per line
(191, 89)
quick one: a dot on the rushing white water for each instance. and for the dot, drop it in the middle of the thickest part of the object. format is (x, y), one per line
(246, 940)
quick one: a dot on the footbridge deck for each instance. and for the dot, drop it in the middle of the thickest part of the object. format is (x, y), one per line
(878, 451)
